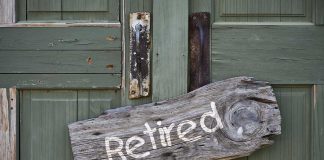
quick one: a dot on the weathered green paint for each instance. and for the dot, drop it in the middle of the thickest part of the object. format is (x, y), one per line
(46, 113)
(319, 12)
(278, 54)
(295, 139)
(59, 81)
(60, 61)
(71, 38)
(69, 10)
(170, 48)
(295, 104)
(318, 123)
(201, 6)
(262, 10)
(132, 6)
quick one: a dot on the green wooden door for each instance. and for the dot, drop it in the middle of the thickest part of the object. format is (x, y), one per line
(274, 41)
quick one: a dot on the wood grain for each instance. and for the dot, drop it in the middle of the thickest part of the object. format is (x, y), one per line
(247, 108)
(61, 81)
(52, 38)
(262, 51)
(60, 62)
(7, 11)
(170, 49)
(8, 123)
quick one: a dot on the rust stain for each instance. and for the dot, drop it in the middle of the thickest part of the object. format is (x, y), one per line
(140, 43)
(111, 38)
(110, 66)
(90, 60)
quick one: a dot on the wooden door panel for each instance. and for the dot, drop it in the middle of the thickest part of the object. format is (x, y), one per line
(294, 143)
(263, 10)
(46, 113)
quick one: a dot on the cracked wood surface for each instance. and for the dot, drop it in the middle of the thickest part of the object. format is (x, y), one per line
(248, 110)
(8, 123)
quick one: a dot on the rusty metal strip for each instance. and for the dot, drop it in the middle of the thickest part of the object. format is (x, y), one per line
(140, 45)
(199, 49)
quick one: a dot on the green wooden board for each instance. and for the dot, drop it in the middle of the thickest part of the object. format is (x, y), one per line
(318, 123)
(170, 51)
(60, 81)
(278, 54)
(60, 61)
(46, 113)
(72, 38)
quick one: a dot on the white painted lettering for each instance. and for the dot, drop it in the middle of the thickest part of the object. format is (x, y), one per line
(213, 114)
(117, 150)
(129, 150)
(182, 134)
(167, 131)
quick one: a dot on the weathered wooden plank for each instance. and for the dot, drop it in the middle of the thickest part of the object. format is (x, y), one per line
(131, 6)
(170, 51)
(318, 123)
(70, 38)
(8, 123)
(262, 51)
(140, 46)
(199, 50)
(7, 11)
(60, 81)
(60, 61)
(244, 114)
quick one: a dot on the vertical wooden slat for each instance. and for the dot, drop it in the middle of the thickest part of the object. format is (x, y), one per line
(140, 44)
(7, 11)
(199, 41)
(318, 123)
(8, 123)
(170, 52)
